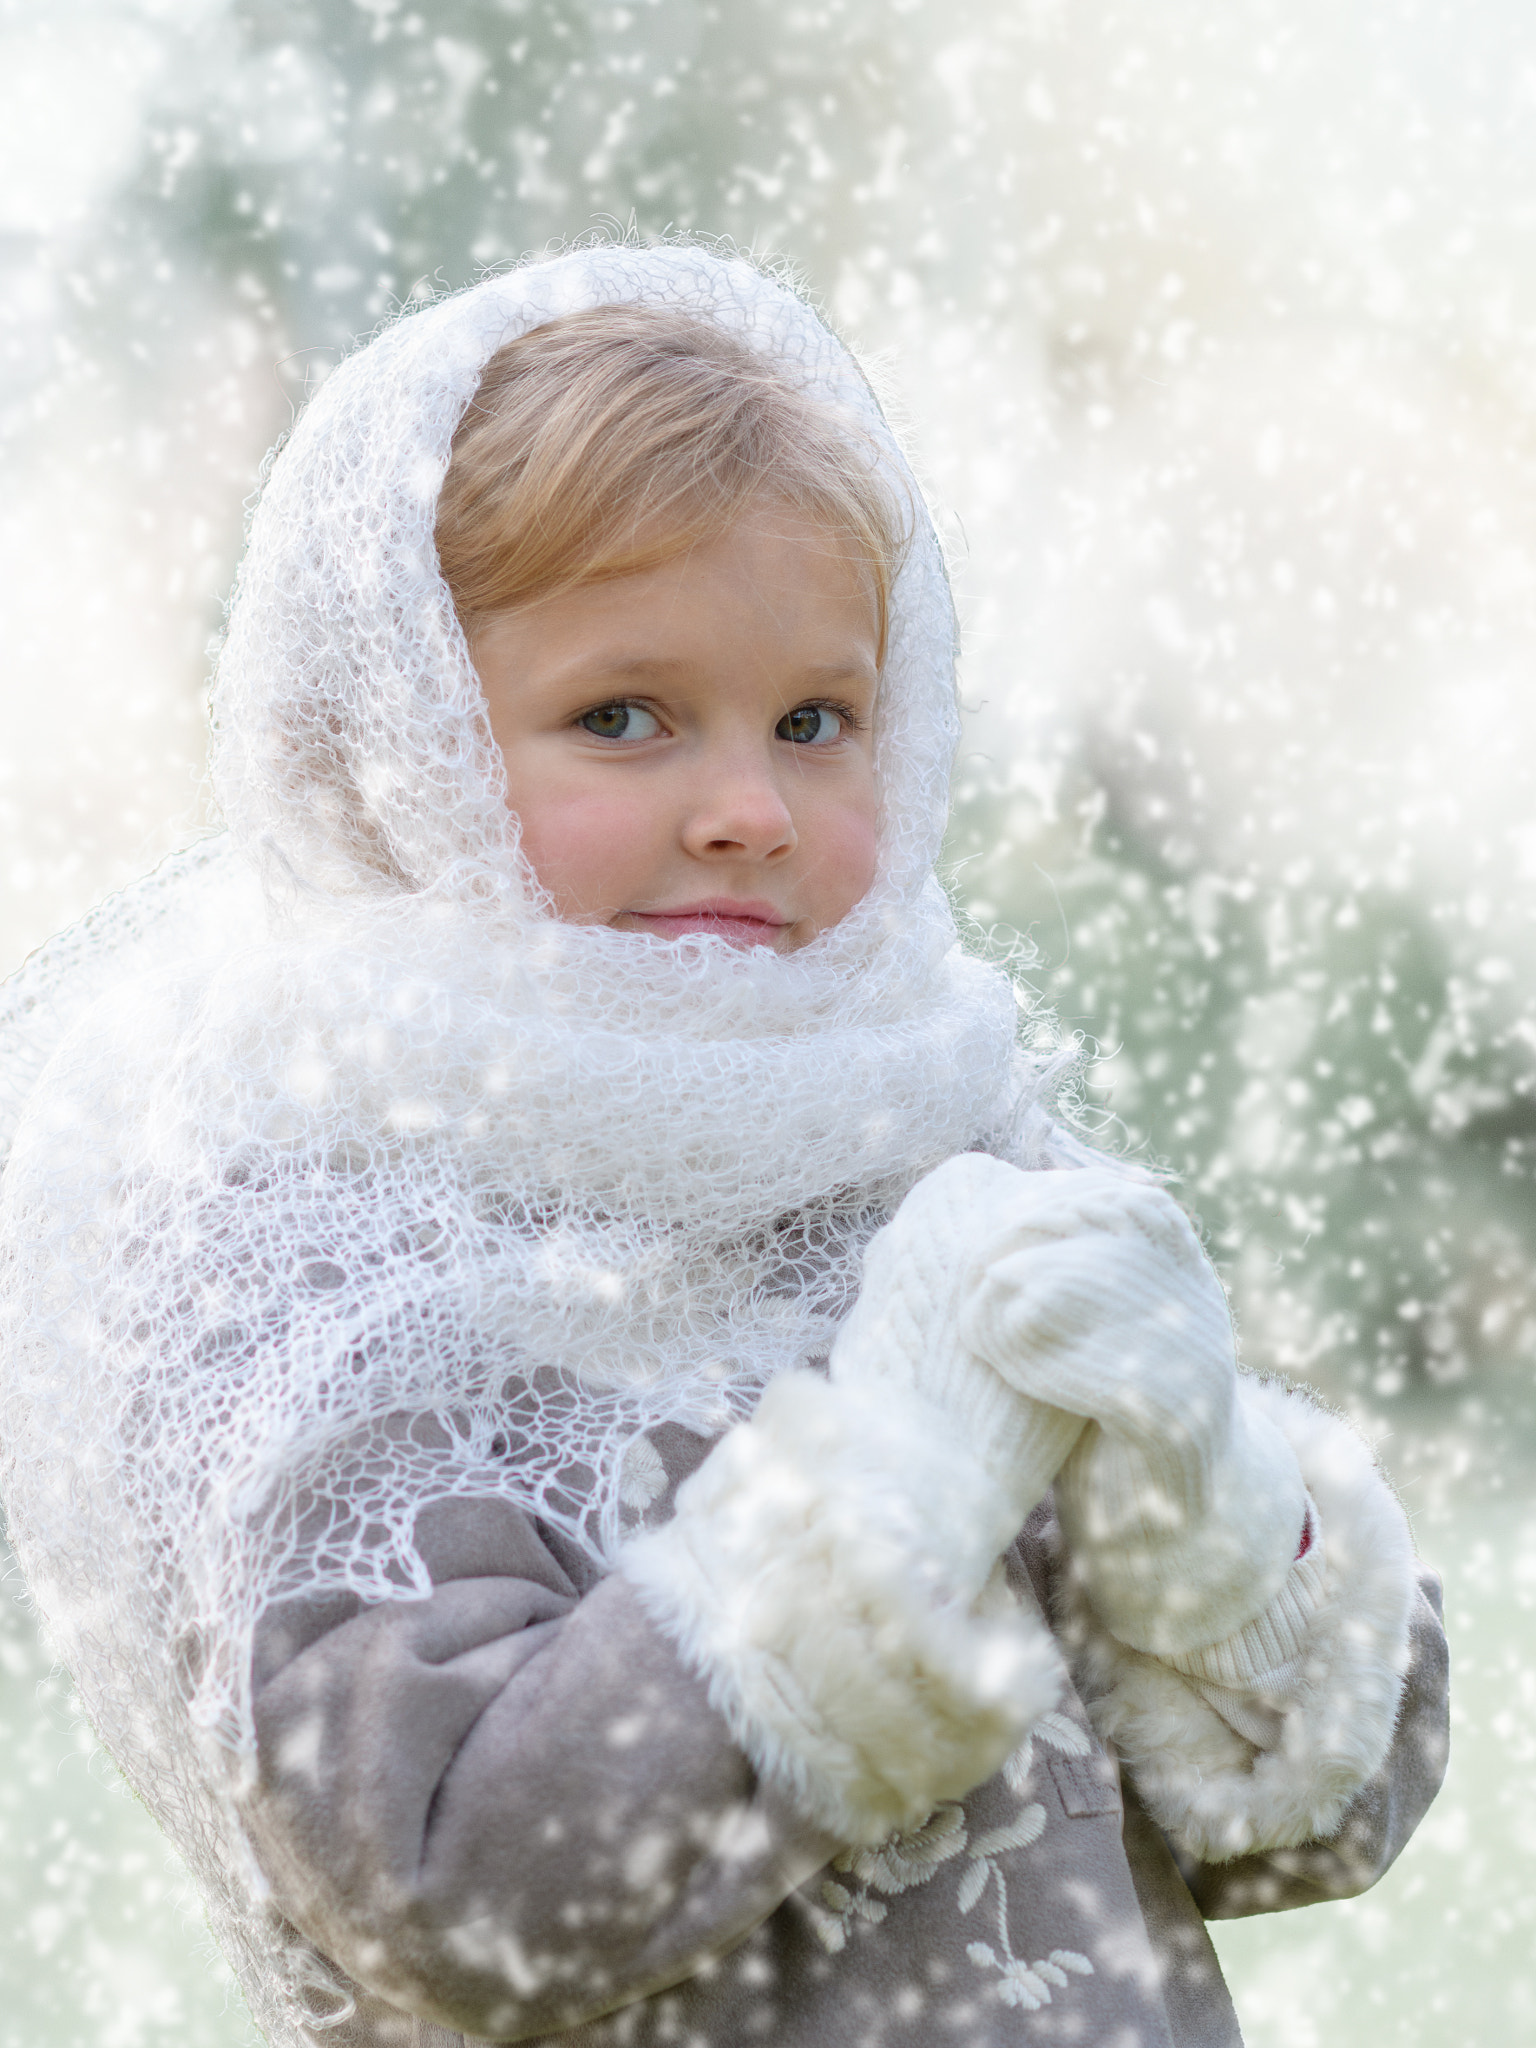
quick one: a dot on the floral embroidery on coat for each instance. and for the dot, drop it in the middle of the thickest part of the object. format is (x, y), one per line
(916, 1858)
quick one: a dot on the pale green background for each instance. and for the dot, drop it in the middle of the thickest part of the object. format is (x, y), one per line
(1213, 330)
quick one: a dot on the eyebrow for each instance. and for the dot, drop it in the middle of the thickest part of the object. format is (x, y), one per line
(823, 674)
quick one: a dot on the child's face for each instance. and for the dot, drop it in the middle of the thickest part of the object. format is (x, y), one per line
(690, 749)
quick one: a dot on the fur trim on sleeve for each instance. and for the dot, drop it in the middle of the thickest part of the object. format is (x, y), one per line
(1220, 1795)
(832, 1571)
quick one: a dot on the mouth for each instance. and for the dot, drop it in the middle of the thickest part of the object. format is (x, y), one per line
(740, 924)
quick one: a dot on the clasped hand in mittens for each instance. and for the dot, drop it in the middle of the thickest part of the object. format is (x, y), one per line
(1070, 1327)
(1182, 1506)
(905, 1330)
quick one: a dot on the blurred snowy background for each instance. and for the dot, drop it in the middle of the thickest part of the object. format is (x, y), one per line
(1215, 329)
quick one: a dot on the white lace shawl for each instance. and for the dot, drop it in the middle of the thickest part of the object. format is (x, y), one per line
(329, 1126)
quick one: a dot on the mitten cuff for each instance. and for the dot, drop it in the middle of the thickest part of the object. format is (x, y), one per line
(1179, 1556)
(1265, 1655)
(1230, 1769)
(831, 1571)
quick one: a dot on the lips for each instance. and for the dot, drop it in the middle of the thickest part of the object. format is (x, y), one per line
(740, 923)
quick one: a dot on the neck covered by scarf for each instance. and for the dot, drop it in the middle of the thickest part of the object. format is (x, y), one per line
(342, 1177)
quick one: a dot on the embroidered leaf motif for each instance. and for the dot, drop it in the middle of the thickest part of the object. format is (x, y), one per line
(1021, 1986)
(832, 1934)
(914, 1858)
(1069, 1959)
(1059, 1733)
(1027, 1985)
(1016, 1767)
(899, 1863)
(1019, 1833)
(909, 1859)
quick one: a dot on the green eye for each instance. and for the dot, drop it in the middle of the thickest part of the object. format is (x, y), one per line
(813, 725)
(620, 722)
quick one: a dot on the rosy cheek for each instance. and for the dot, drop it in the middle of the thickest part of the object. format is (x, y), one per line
(587, 850)
(847, 863)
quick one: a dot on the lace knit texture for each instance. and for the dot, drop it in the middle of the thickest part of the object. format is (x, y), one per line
(330, 1125)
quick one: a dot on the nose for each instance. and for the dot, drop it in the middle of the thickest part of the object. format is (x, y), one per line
(739, 811)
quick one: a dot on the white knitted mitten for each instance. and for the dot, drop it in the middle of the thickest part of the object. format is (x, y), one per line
(832, 1566)
(1183, 1508)
(905, 1328)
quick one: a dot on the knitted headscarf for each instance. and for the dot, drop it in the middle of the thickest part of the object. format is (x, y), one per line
(330, 1127)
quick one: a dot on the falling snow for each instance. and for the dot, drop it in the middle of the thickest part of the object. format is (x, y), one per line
(1211, 327)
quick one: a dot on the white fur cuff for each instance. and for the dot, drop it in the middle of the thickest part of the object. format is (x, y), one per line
(1224, 1796)
(831, 1571)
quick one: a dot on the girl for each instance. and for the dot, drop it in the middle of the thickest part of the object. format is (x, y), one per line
(543, 1304)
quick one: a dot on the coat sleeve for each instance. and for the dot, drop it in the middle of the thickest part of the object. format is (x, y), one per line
(506, 1808)
(1378, 1821)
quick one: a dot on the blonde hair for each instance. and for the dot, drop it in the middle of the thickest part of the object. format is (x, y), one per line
(611, 440)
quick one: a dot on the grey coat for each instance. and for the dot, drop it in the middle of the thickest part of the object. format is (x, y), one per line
(513, 1796)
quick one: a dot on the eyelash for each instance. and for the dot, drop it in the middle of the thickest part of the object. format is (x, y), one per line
(850, 718)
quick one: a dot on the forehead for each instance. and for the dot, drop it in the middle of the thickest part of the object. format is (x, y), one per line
(775, 594)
